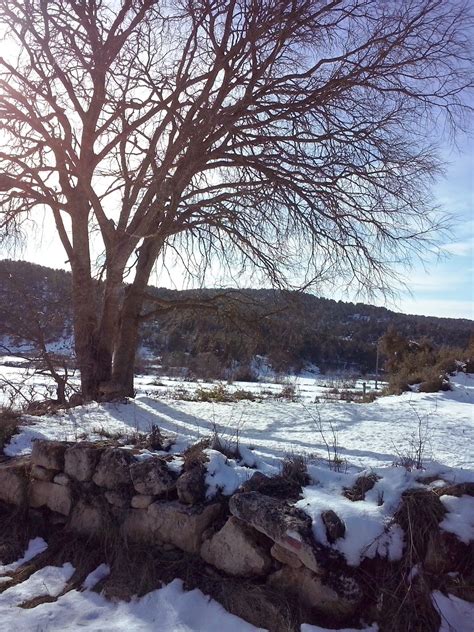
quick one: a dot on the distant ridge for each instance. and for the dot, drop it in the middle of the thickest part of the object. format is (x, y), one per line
(288, 328)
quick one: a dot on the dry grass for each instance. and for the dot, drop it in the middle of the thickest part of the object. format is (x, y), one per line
(194, 455)
(294, 470)
(9, 422)
(406, 604)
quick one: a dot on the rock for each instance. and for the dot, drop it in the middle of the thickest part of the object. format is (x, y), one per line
(14, 480)
(335, 527)
(181, 525)
(41, 473)
(235, 550)
(89, 517)
(285, 556)
(62, 479)
(255, 483)
(152, 477)
(80, 460)
(56, 497)
(140, 526)
(362, 485)
(113, 469)
(142, 501)
(117, 499)
(191, 486)
(285, 525)
(49, 454)
(314, 594)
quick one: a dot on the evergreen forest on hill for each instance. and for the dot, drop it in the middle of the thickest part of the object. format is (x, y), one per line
(214, 331)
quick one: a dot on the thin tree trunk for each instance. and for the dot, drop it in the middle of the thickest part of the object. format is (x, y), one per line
(127, 339)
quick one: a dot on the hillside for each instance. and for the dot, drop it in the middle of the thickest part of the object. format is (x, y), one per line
(211, 331)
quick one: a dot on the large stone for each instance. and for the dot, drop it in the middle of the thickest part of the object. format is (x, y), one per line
(152, 476)
(191, 486)
(236, 551)
(49, 454)
(182, 525)
(285, 525)
(140, 526)
(56, 497)
(14, 481)
(41, 473)
(313, 593)
(80, 460)
(285, 556)
(62, 479)
(89, 517)
(142, 501)
(113, 469)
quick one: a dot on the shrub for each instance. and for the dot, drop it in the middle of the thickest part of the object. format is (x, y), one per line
(294, 470)
(288, 392)
(218, 393)
(434, 385)
(241, 393)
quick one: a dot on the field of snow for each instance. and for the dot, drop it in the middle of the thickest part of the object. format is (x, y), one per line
(371, 437)
(366, 435)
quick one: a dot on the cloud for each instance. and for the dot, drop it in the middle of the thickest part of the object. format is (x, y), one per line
(437, 307)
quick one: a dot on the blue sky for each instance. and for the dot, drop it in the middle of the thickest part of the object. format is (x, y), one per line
(445, 286)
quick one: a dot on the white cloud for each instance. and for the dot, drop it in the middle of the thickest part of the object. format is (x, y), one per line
(447, 308)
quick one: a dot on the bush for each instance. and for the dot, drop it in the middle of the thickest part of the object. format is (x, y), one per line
(294, 470)
(218, 393)
(288, 392)
(434, 385)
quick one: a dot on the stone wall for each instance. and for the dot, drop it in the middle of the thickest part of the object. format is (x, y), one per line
(255, 543)
(91, 488)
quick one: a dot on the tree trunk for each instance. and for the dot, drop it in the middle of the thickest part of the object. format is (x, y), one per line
(109, 321)
(127, 339)
(84, 307)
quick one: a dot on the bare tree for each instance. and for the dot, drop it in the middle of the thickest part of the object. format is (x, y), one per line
(289, 134)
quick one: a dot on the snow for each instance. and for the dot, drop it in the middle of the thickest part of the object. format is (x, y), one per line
(368, 435)
(367, 439)
(100, 573)
(368, 529)
(460, 517)
(49, 581)
(35, 547)
(456, 615)
(169, 608)
(223, 474)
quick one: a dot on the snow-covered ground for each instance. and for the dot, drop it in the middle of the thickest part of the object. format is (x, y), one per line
(365, 437)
